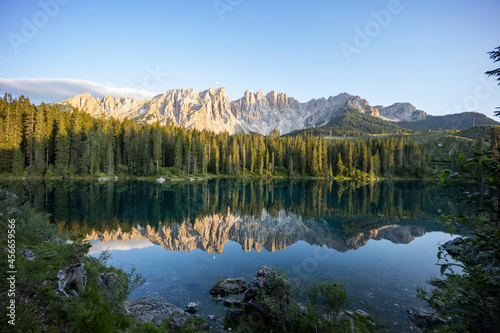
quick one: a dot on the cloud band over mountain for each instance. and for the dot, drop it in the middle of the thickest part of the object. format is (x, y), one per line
(58, 89)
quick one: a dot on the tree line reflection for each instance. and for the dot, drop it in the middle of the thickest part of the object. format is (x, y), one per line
(349, 207)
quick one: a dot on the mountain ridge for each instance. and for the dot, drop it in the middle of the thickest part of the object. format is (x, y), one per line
(257, 112)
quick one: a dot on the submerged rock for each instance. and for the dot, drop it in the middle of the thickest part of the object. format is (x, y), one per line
(146, 311)
(233, 286)
(192, 307)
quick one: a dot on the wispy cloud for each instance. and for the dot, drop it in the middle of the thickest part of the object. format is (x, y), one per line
(59, 89)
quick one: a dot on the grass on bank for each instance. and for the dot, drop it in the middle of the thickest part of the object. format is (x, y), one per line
(40, 307)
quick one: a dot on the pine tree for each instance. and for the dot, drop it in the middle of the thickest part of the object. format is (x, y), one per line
(62, 148)
(340, 165)
(156, 144)
(178, 155)
(39, 141)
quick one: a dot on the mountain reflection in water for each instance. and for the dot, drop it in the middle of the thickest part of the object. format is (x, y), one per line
(211, 233)
(255, 214)
(183, 237)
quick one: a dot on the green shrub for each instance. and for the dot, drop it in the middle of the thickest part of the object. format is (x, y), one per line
(470, 296)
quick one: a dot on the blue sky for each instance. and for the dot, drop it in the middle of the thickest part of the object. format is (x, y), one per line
(429, 53)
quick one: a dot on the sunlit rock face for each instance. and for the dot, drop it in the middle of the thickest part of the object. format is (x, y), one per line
(211, 233)
(401, 111)
(253, 113)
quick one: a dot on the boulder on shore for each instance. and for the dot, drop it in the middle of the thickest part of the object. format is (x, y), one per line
(144, 310)
(73, 277)
(425, 320)
(263, 284)
(233, 286)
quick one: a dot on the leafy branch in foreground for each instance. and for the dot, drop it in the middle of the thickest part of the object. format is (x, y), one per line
(469, 294)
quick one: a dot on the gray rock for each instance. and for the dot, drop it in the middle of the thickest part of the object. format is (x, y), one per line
(102, 179)
(73, 293)
(108, 280)
(362, 313)
(145, 311)
(238, 303)
(211, 317)
(178, 319)
(29, 255)
(228, 302)
(259, 283)
(425, 320)
(161, 180)
(262, 284)
(73, 277)
(257, 310)
(233, 286)
(192, 307)
(234, 317)
(7, 197)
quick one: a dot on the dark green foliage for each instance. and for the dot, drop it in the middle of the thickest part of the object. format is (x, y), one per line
(471, 297)
(459, 121)
(328, 298)
(44, 140)
(38, 302)
(39, 306)
(495, 56)
(325, 301)
(352, 123)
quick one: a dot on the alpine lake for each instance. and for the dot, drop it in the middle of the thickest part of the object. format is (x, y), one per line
(379, 240)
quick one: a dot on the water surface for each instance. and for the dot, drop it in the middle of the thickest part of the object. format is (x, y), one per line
(380, 240)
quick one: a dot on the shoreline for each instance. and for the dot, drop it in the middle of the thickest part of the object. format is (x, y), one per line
(195, 178)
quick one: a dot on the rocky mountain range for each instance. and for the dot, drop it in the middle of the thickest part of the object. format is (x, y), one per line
(253, 113)
(211, 233)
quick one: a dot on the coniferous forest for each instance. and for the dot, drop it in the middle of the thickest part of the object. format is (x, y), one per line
(43, 140)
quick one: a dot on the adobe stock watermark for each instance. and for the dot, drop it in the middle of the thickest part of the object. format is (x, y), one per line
(154, 77)
(31, 28)
(223, 6)
(11, 272)
(364, 36)
(309, 264)
(484, 89)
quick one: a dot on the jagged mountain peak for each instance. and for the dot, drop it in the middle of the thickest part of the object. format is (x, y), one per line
(258, 112)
